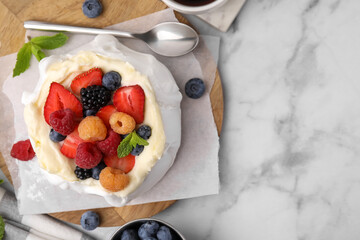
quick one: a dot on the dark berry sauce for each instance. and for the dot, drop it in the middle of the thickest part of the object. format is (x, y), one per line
(194, 2)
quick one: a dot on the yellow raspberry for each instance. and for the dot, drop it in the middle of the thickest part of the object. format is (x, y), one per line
(92, 129)
(122, 123)
(113, 179)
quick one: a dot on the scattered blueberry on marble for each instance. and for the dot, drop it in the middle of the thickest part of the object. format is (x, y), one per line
(148, 229)
(90, 112)
(195, 88)
(55, 136)
(96, 170)
(129, 234)
(111, 80)
(144, 131)
(164, 233)
(90, 220)
(92, 8)
(137, 150)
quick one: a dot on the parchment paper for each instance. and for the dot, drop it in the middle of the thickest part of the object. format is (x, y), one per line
(195, 171)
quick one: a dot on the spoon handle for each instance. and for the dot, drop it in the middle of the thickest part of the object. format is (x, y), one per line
(36, 25)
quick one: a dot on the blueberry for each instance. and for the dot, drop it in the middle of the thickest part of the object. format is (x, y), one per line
(195, 88)
(111, 80)
(149, 238)
(137, 150)
(164, 233)
(148, 229)
(55, 136)
(90, 112)
(123, 136)
(96, 170)
(92, 8)
(144, 131)
(90, 220)
(129, 234)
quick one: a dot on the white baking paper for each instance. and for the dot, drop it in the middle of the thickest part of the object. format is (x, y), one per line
(195, 170)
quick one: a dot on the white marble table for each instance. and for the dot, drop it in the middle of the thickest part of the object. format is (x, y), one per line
(290, 145)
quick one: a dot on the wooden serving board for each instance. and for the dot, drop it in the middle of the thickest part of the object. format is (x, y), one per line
(12, 15)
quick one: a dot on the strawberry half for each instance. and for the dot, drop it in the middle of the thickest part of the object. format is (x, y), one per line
(71, 143)
(130, 100)
(60, 98)
(105, 114)
(88, 78)
(125, 163)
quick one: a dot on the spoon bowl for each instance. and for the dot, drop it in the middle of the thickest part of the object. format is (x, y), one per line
(169, 39)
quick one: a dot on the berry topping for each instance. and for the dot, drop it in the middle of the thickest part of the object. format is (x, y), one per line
(137, 150)
(130, 100)
(111, 80)
(60, 98)
(94, 97)
(55, 136)
(22, 150)
(92, 8)
(109, 146)
(88, 78)
(97, 170)
(164, 233)
(113, 179)
(70, 144)
(82, 173)
(148, 229)
(63, 121)
(144, 131)
(90, 220)
(125, 164)
(195, 88)
(92, 129)
(90, 112)
(87, 155)
(129, 234)
(105, 114)
(122, 123)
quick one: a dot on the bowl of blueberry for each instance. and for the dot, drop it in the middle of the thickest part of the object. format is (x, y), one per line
(147, 229)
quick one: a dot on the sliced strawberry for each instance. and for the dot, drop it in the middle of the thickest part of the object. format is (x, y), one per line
(71, 143)
(105, 113)
(88, 78)
(130, 100)
(60, 98)
(125, 163)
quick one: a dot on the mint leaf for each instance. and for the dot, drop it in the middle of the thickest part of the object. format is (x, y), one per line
(2, 228)
(50, 42)
(36, 51)
(130, 142)
(1, 181)
(137, 140)
(124, 147)
(22, 60)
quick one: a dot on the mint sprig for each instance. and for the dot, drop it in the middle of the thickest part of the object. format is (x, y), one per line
(2, 228)
(129, 143)
(1, 181)
(35, 46)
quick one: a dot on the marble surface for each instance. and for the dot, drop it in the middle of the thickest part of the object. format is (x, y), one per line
(222, 17)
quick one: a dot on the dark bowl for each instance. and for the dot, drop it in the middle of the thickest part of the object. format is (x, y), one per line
(138, 222)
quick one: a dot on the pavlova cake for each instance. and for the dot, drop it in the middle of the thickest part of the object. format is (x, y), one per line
(100, 126)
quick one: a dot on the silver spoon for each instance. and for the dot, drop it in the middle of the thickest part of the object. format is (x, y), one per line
(169, 39)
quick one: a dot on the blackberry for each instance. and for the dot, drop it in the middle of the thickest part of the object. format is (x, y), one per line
(82, 173)
(94, 97)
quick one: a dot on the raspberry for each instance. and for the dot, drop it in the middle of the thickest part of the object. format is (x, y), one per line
(22, 150)
(122, 123)
(110, 144)
(87, 155)
(113, 179)
(63, 121)
(92, 128)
